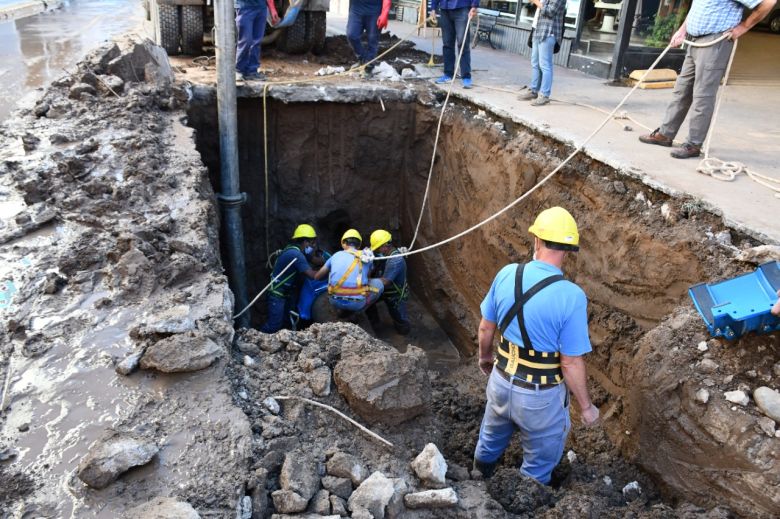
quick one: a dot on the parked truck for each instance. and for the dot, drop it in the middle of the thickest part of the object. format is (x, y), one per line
(181, 26)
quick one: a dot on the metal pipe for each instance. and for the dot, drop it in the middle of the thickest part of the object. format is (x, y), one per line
(230, 197)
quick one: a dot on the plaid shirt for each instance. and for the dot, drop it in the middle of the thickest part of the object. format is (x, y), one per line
(714, 16)
(551, 20)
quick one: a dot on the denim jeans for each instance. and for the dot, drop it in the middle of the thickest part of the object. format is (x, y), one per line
(250, 24)
(453, 27)
(541, 416)
(356, 304)
(356, 25)
(278, 314)
(542, 66)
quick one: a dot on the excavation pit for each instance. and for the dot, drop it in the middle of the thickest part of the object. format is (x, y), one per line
(339, 158)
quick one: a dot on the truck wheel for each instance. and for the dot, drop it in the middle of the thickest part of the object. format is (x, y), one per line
(316, 26)
(293, 40)
(166, 27)
(192, 30)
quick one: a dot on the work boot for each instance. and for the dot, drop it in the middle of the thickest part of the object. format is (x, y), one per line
(530, 95)
(686, 151)
(540, 101)
(656, 137)
(486, 469)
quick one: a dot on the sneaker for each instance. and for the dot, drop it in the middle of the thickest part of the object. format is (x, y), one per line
(443, 79)
(355, 65)
(656, 137)
(528, 96)
(239, 76)
(540, 101)
(686, 151)
(467, 82)
(255, 76)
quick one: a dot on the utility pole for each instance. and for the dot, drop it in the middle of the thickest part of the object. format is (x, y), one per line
(230, 199)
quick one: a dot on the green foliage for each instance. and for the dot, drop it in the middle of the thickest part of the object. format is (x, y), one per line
(664, 27)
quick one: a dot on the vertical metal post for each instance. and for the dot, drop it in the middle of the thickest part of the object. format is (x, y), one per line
(623, 38)
(231, 197)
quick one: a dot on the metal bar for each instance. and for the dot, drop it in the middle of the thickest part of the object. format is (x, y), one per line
(623, 38)
(230, 197)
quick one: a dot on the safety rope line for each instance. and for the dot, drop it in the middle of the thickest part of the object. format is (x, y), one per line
(273, 280)
(438, 132)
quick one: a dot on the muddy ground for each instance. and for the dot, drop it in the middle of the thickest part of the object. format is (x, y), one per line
(114, 254)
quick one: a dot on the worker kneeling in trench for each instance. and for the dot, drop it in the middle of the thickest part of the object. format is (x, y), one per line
(543, 336)
(349, 288)
(392, 273)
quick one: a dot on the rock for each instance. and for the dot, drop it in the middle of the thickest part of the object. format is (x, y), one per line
(260, 495)
(385, 386)
(190, 351)
(320, 503)
(632, 491)
(702, 396)
(708, 366)
(272, 405)
(163, 508)
(442, 498)
(249, 362)
(767, 425)
(409, 73)
(430, 467)
(112, 456)
(338, 506)
(702, 346)
(288, 502)
(768, 400)
(341, 487)
(760, 254)
(41, 109)
(457, 472)
(728, 379)
(130, 363)
(244, 508)
(723, 237)
(373, 495)
(343, 465)
(81, 88)
(737, 397)
(385, 71)
(319, 381)
(110, 82)
(776, 369)
(299, 475)
(571, 456)
(620, 187)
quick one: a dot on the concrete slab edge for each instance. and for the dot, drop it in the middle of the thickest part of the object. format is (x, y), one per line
(28, 8)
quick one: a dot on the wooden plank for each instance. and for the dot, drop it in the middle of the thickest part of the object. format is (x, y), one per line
(651, 85)
(661, 74)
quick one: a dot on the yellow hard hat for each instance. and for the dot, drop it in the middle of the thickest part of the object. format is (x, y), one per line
(304, 231)
(351, 233)
(379, 238)
(556, 225)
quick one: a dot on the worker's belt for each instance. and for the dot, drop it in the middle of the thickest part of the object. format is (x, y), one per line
(524, 362)
(522, 383)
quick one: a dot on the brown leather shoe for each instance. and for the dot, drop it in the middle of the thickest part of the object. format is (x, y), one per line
(656, 137)
(686, 151)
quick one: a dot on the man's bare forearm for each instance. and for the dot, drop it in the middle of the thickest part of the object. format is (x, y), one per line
(576, 378)
(487, 331)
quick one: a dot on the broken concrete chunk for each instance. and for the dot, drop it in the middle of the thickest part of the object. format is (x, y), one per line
(341, 487)
(272, 405)
(702, 396)
(737, 397)
(441, 498)
(299, 474)
(708, 366)
(768, 401)
(767, 425)
(110, 84)
(320, 503)
(81, 88)
(338, 506)
(430, 467)
(163, 508)
(288, 502)
(130, 363)
(385, 386)
(760, 254)
(343, 465)
(373, 495)
(319, 381)
(111, 457)
(189, 351)
(632, 491)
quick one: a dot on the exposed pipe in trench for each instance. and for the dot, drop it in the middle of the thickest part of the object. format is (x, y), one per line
(231, 199)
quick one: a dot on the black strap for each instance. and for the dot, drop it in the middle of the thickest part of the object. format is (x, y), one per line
(521, 299)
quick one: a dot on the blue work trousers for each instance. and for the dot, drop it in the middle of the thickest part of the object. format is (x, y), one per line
(278, 310)
(453, 27)
(359, 303)
(397, 310)
(356, 25)
(541, 416)
(250, 24)
(542, 66)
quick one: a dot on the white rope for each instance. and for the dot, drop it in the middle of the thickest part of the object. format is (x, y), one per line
(438, 132)
(247, 307)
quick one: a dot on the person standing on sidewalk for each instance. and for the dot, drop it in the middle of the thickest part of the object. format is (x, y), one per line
(453, 18)
(547, 34)
(542, 320)
(369, 17)
(251, 16)
(697, 85)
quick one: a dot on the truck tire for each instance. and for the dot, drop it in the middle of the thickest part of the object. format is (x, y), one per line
(316, 27)
(166, 27)
(293, 40)
(192, 30)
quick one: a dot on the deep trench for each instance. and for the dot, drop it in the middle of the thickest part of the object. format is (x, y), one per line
(340, 165)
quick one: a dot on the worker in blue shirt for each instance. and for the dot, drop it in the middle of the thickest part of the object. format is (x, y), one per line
(283, 294)
(453, 16)
(369, 17)
(392, 272)
(543, 329)
(349, 287)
